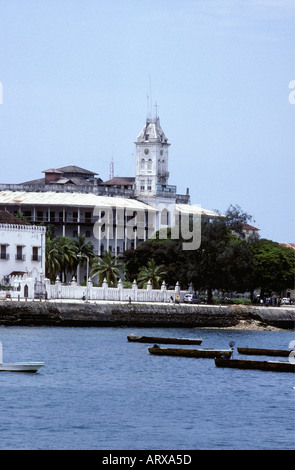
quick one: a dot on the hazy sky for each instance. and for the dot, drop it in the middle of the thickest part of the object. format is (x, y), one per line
(75, 77)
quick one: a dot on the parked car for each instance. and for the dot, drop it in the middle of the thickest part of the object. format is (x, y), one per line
(191, 299)
(196, 299)
(285, 300)
(187, 298)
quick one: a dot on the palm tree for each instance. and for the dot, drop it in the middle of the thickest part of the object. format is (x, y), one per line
(152, 273)
(84, 250)
(106, 267)
(67, 255)
(52, 265)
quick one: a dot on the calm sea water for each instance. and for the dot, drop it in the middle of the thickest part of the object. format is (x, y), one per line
(97, 391)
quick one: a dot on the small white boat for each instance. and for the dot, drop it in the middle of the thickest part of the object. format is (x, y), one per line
(19, 366)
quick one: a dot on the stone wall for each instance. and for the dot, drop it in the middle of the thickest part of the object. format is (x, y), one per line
(115, 314)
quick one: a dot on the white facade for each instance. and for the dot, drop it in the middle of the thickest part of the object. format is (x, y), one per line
(22, 251)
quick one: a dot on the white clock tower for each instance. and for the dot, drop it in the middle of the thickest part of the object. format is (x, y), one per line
(152, 162)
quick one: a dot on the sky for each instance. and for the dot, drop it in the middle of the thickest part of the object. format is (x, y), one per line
(77, 77)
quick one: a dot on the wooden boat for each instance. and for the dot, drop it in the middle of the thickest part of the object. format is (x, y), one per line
(155, 339)
(275, 366)
(205, 353)
(19, 366)
(264, 352)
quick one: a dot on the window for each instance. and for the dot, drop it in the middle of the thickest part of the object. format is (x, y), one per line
(149, 185)
(75, 216)
(142, 185)
(27, 215)
(88, 217)
(150, 164)
(3, 253)
(19, 253)
(35, 256)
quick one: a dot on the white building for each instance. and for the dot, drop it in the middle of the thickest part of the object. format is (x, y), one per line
(22, 249)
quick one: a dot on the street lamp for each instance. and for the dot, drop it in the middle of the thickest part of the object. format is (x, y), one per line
(87, 273)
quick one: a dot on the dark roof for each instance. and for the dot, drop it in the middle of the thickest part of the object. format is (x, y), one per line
(119, 180)
(74, 173)
(249, 227)
(7, 218)
(75, 169)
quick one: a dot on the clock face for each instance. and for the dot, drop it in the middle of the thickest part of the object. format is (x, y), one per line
(146, 151)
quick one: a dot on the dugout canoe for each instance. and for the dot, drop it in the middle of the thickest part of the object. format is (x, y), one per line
(274, 366)
(154, 339)
(186, 352)
(264, 352)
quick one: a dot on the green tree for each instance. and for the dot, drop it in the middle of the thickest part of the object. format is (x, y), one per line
(52, 265)
(164, 252)
(273, 266)
(152, 273)
(84, 250)
(67, 255)
(106, 267)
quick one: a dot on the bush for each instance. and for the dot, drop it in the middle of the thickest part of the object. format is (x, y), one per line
(240, 301)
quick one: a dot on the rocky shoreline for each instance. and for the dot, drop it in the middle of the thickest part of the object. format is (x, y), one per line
(101, 314)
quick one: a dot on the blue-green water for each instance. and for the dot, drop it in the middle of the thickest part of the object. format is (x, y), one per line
(97, 391)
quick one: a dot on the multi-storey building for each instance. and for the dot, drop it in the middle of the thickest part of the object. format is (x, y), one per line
(22, 248)
(115, 214)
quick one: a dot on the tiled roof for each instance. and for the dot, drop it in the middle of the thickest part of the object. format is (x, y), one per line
(249, 227)
(119, 180)
(7, 218)
(75, 169)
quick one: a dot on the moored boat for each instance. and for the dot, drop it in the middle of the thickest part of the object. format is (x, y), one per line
(275, 366)
(19, 366)
(22, 367)
(186, 352)
(264, 352)
(155, 339)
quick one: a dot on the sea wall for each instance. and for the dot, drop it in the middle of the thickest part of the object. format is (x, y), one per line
(55, 313)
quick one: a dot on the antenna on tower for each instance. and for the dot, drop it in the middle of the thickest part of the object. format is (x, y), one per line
(151, 101)
(112, 166)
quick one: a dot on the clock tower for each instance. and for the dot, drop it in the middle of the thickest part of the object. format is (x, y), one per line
(152, 162)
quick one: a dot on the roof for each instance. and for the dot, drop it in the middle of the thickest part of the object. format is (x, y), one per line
(195, 209)
(71, 171)
(249, 227)
(152, 131)
(76, 169)
(289, 245)
(119, 180)
(48, 198)
(7, 218)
